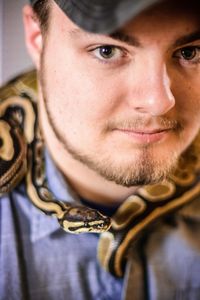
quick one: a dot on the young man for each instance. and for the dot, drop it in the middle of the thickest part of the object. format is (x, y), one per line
(119, 109)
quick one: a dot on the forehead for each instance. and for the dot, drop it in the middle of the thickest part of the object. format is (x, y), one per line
(168, 11)
(166, 17)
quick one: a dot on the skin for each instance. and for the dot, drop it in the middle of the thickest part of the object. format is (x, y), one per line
(115, 121)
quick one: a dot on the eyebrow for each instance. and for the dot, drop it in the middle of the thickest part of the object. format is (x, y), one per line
(117, 35)
(133, 41)
(125, 38)
(186, 39)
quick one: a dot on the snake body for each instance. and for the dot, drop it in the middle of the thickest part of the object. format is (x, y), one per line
(22, 156)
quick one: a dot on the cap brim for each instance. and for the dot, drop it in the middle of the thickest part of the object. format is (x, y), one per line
(102, 16)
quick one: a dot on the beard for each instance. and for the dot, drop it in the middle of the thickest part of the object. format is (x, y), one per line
(143, 169)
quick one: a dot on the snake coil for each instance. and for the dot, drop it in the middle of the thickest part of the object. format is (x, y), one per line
(22, 156)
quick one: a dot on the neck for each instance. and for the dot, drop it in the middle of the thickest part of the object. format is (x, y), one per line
(90, 185)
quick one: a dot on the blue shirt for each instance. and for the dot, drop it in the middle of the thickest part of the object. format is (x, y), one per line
(39, 261)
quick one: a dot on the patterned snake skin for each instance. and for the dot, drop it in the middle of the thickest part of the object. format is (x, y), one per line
(21, 156)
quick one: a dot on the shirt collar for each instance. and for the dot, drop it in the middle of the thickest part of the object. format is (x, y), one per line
(41, 224)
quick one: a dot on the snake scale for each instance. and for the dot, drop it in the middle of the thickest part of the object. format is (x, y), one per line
(22, 156)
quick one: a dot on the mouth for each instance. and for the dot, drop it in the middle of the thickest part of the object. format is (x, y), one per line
(145, 136)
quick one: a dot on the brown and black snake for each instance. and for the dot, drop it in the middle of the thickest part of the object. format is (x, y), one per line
(22, 158)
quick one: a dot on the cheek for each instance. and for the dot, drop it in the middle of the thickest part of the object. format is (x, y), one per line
(187, 95)
(80, 90)
(188, 108)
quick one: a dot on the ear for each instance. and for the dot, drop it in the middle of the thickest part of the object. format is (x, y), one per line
(33, 35)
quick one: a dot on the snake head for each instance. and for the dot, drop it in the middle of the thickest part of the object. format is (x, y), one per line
(79, 219)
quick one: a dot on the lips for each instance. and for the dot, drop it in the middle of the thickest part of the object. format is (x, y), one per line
(146, 131)
(145, 135)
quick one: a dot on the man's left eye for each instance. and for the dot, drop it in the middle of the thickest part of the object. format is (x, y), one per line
(190, 53)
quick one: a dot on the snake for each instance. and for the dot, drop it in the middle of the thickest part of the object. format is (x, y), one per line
(22, 158)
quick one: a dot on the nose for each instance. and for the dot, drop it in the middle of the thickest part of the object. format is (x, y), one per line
(152, 89)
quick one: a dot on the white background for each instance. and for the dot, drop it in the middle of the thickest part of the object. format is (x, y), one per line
(13, 54)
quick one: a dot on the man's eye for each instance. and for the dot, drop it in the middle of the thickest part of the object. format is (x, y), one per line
(108, 53)
(190, 54)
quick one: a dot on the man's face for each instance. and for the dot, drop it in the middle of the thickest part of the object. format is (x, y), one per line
(125, 105)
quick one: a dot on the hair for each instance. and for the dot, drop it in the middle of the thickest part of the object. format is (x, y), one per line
(42, 11)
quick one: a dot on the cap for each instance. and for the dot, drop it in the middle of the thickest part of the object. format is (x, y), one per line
(101, 16)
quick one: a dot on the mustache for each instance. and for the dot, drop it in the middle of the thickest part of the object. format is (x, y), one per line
(161, 123)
